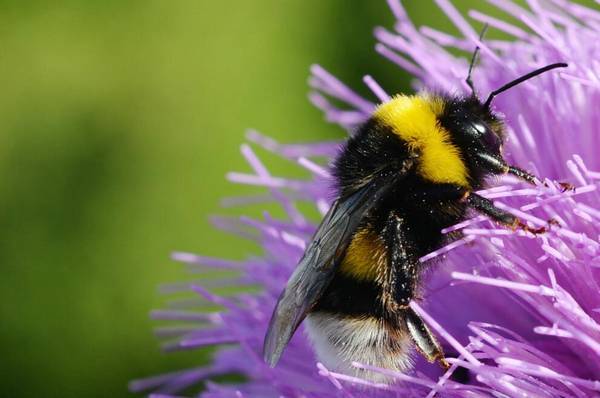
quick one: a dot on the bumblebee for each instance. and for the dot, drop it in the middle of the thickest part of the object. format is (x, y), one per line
(410, 171)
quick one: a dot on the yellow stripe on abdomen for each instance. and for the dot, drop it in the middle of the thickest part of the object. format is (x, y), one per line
(365, 257)
(414, 120)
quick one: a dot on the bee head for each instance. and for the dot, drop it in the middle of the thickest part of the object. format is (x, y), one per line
(475, 130)
(474, 126)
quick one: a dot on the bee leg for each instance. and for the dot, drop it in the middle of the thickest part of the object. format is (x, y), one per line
(503, 217)
(400, 285)
(498, 166)
(403, 269)
(530, 178)
(426, 344)
(522, 174)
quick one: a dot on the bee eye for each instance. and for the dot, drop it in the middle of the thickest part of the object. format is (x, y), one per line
(480, 128)
(491, 141)
(476, 129)
(482, 133)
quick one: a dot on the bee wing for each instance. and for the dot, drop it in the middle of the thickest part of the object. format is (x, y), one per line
(316, 268)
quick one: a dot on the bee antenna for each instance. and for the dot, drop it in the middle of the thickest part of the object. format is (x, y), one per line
(520, 80)
(469, 80)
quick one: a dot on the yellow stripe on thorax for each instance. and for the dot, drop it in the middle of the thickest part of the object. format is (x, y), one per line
(365, 257)
(414, 120)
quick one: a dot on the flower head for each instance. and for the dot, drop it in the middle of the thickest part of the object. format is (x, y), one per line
(518, 315)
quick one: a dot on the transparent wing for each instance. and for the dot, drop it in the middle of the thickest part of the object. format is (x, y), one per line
(316, 268)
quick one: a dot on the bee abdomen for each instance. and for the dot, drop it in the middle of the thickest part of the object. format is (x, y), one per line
(340, 340)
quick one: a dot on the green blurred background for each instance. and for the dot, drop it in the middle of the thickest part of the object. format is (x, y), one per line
(118, 122)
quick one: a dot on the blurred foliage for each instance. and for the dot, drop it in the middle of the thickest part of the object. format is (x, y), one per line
(118, 122)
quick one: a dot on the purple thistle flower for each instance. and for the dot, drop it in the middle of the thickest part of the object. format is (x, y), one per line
(520, 313)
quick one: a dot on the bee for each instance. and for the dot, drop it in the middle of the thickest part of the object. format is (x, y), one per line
(408, 172)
